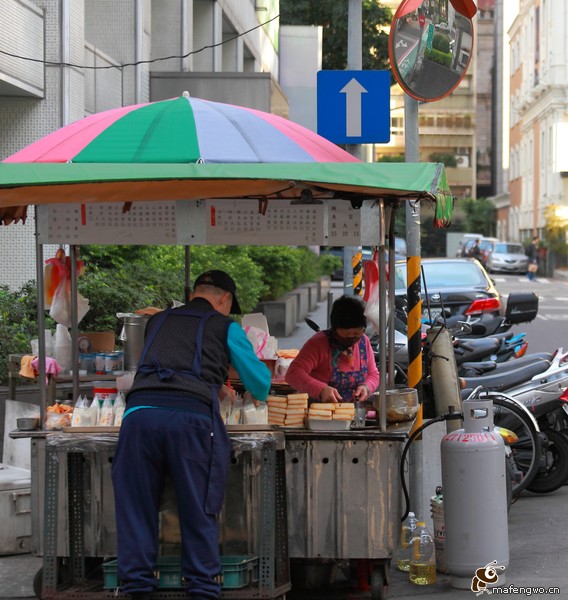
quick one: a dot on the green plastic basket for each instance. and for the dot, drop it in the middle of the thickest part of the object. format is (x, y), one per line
(237, 572)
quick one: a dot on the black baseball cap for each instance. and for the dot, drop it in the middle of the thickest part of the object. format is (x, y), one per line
(223, 281)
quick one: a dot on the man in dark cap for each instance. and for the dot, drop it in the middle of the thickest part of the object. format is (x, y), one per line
(172, 425)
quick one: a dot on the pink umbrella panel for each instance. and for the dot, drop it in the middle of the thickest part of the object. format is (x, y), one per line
(182, 130)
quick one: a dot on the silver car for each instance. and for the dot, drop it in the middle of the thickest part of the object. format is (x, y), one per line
(507, 257)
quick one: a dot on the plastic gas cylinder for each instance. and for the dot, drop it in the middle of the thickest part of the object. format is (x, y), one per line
(475, 496)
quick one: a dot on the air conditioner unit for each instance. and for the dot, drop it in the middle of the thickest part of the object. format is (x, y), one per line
(463, 161)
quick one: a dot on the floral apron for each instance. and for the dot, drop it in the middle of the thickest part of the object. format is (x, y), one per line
(346, 382)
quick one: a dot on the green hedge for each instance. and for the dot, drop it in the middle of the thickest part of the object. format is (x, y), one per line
(126, 278)
(442, 58)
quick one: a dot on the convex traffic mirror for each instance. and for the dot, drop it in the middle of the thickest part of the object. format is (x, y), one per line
(430, 46)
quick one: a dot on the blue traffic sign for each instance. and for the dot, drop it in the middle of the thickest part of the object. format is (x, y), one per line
(354, 106)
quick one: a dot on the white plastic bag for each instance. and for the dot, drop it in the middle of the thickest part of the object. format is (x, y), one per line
(61, 304)
(259, 340)
(249, 410)
(372, 307)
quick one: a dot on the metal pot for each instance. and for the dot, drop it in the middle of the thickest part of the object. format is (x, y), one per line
(132, 335)
(401, 404)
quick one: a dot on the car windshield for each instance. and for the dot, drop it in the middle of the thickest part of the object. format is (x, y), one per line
(509, 249)
(440, 275)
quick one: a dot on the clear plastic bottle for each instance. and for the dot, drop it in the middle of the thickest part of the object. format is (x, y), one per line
(402, 556)
(422, 556)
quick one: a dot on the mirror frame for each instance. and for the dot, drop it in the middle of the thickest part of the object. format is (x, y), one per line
(466, 8)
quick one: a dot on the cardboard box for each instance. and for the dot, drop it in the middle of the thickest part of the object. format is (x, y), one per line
(101, 341)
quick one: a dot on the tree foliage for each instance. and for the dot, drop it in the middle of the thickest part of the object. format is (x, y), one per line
(125, 278)
(332, 15)
(481, 215)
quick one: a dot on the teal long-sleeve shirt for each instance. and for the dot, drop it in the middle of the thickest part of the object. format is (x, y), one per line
(254, 374)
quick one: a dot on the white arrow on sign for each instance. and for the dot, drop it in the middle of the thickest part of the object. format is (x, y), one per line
(353, 91)
(401, 43)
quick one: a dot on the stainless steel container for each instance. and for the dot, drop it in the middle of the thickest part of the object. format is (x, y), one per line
(133, 337)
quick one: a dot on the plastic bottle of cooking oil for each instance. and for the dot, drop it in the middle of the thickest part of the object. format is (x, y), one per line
(402, 556)
(422, 556)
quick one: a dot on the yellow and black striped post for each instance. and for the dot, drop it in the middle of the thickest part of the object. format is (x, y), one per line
(414, 307)
(357, 264)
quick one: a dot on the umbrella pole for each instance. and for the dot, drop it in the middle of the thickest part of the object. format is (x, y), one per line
(74, 252)
(40, 322)
(187, 288)
(382, 322)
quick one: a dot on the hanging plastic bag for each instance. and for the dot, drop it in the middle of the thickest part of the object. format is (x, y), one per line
(61, 304)
(55, 271)
(372, 291)
(57, 288)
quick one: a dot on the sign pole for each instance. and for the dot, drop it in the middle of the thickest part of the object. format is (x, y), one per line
(352, 255)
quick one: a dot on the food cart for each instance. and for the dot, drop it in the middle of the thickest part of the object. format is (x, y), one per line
(190, 202)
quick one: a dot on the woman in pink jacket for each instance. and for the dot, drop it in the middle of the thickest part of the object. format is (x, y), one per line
(338, 364)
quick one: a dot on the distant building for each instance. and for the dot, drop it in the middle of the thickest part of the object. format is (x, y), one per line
(221, 50)
(538, 175)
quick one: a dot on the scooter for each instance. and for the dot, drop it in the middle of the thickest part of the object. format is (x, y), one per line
(541, 388)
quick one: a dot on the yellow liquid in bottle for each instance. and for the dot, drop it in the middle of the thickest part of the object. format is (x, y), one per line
(403, 564)
(422, 574)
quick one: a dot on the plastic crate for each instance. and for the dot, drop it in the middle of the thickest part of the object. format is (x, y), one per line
(237, 572)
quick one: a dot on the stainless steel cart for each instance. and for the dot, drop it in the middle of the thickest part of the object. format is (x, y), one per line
(344, 497)
(74, 524)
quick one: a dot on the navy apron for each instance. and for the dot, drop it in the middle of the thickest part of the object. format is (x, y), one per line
(221, 444)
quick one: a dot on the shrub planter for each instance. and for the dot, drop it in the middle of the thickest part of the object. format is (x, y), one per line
(324, 285)
(303, 302)
(281, 315)
(313, 293)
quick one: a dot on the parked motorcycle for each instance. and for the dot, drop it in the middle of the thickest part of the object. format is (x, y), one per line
(541, 388)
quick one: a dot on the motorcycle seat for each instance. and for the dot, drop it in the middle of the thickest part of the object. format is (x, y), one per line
(501, 381)
(473, 369)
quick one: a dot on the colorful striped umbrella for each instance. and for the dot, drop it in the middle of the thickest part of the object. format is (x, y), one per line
(187, 148)
(182, 130)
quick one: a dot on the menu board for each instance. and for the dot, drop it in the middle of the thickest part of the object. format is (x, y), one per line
(343, 224)
(109, 223)
(257, 222)
(214, 221)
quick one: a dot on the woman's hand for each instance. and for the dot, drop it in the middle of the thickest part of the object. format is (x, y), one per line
(361, 393)
(330, 394)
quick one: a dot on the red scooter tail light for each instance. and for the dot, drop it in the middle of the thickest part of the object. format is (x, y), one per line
(564, 396)
(482, 305)
(521, 350)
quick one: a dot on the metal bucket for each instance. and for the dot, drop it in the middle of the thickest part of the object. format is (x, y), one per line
(132, 335)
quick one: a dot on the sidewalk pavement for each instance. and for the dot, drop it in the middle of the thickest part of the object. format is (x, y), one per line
(538, 546)
(538, 542)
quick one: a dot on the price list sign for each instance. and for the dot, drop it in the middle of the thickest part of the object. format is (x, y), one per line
(343, 224)
(255, 222)
(109, 223)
